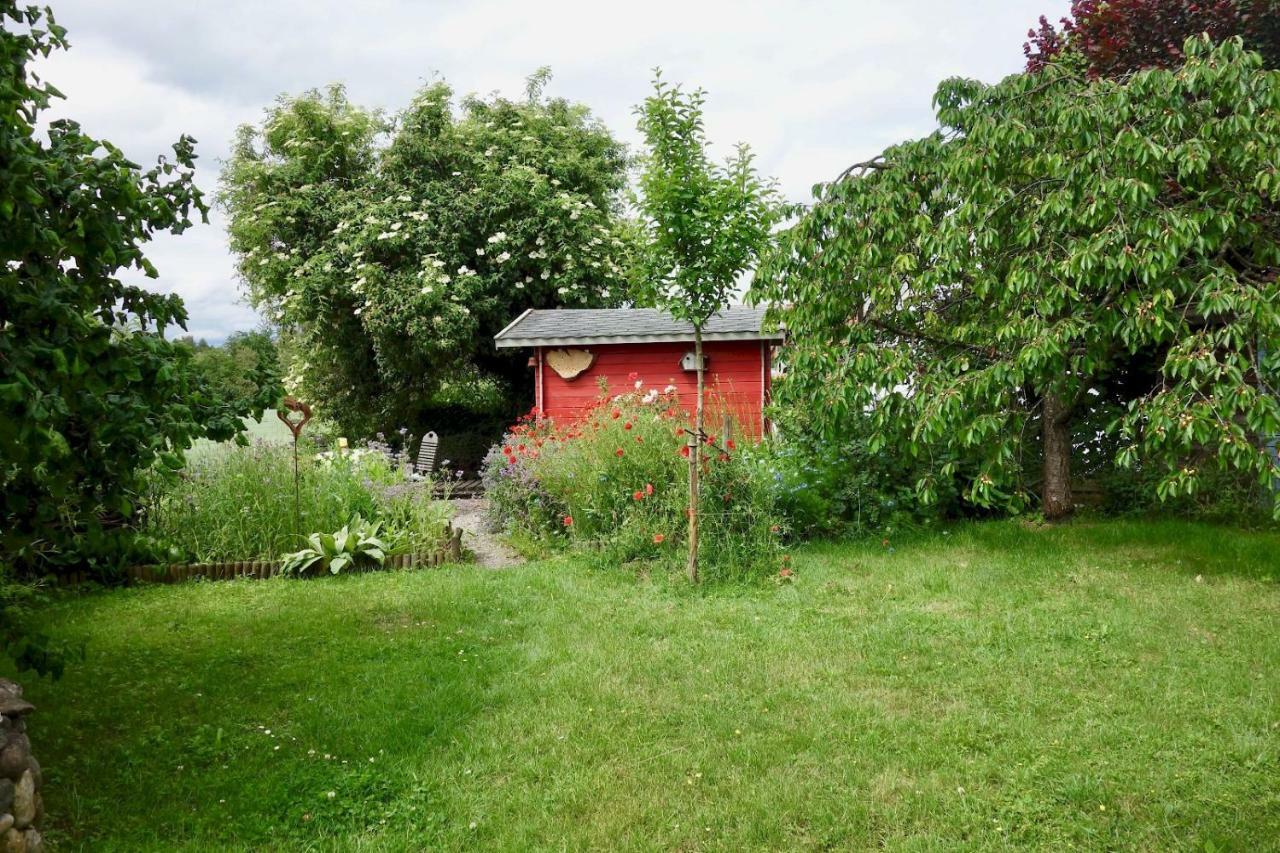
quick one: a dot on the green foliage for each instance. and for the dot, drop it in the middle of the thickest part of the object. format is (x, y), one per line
(392, 252)
(840, 486)
(704, 224)
(353, 546)
(237, 503)
(1105, 244)
(244, 371)
(612, 484)
(91, 393)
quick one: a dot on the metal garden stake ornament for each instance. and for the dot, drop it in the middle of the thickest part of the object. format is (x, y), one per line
(294, 406)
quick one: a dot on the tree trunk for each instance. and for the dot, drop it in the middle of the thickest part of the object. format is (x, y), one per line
(1056, 490)
(695, 453)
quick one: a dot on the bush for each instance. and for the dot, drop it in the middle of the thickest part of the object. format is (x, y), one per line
(614, 483)
(237, 503)
(836, 485)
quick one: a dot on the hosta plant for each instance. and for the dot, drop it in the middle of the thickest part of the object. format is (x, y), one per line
(354, 546)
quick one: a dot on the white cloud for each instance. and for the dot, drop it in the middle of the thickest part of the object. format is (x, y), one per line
(813, 86)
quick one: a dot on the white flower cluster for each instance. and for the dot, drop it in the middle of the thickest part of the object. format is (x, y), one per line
(353, 456)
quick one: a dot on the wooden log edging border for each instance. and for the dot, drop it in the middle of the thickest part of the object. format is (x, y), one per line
(450, 552)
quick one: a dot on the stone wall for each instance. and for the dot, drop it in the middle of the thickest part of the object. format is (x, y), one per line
(21, 808)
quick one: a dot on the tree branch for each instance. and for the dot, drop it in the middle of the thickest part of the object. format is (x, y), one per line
(876, 163)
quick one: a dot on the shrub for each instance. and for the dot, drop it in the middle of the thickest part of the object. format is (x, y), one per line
(237, 503)
(832, 483)
(614, 482)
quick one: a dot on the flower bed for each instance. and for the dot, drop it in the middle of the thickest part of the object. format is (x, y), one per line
(239, 504)
(615, 482)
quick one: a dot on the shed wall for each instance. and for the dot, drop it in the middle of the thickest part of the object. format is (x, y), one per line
(737, 379)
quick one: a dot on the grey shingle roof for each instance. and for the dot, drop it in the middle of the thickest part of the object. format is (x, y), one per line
(578, 326)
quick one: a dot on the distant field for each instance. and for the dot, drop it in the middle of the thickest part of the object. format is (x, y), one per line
(268, 429)
(1001, 686)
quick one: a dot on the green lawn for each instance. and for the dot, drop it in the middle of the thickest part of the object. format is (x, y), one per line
(1096, 686)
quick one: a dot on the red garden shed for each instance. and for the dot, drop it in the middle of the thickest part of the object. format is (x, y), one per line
(574, 350)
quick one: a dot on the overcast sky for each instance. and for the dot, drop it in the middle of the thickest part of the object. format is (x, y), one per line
(812, 86)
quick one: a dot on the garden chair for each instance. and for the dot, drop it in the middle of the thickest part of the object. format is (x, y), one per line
(425, 464)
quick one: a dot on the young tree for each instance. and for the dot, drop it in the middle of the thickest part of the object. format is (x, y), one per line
(391, 252)
(1062, 244)
(704, 225)
(1117, 37)
(91, 393)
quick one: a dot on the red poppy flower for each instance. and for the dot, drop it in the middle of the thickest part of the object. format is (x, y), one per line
(658, 538)
(618, 453)
(616, 414)
(724, 457)
(648, 488)
(639, 439)
(786, 573)
(638, 496)
(633, 376)
(729, 444)
(627, 425)
(520, 447)
(684, 451)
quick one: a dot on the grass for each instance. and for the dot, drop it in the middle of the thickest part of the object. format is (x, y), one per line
(1093, 686)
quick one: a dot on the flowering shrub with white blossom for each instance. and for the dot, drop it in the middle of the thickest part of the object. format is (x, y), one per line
(611, 482)
(392, 253)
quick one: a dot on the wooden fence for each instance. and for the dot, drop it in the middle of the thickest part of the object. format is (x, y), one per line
(449, 552)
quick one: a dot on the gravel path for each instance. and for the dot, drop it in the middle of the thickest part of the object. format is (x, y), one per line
(469, 516)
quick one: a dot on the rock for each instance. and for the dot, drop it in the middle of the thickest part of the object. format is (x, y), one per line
(36, 773)
(15, 759)
(11, 701)
(39, 821)
(13, 841)
(24, 801)
(35, 843)
(6, 821)
(6, 796)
